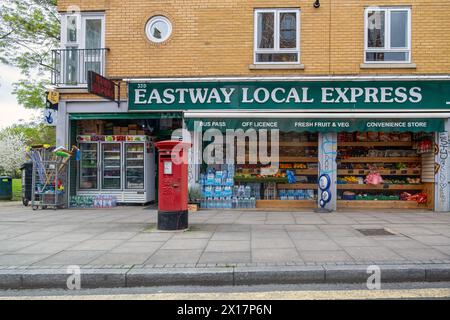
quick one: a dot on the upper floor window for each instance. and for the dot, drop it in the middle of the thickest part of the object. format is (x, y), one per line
(388, 35)
(82, 47)
(277, 36)
(83, 31)
(158, 29)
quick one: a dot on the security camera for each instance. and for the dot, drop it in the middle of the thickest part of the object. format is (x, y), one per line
(317, 4)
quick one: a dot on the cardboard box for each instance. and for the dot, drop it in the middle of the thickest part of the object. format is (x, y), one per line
(132, 132)
(193, 207)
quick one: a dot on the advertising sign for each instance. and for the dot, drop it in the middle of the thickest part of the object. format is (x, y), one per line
(285, 95)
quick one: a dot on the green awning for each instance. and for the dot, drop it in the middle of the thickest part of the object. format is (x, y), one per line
(321, 125)
(126, 116)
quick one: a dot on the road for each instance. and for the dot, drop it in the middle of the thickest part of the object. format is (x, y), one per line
(272, 292)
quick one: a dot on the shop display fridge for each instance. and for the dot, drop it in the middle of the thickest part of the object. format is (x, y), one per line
(121, 166)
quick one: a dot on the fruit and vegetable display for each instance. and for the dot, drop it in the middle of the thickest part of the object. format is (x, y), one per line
(374, 178)
(420, 197)
(387, 178)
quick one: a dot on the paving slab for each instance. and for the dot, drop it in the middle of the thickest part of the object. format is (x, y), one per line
(225, 257)
(138, 247)
(314, 245)
(46, 248)
(308, 235)
(121, 259)
(272, 243)
(71, 257)
(20, 259)
(326, 256)
(116, 235)
(231, 235)
(228, 246)
(421, 254)
(97, 245)
(372, 253)
(184, 244)
(435, 240)
(14, 245)
(279, 254)
(355, 241)
(175, 256)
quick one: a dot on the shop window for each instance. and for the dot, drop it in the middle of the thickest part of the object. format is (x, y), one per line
(249, 183)
(388, 35)
(385, 170)
(277, 36)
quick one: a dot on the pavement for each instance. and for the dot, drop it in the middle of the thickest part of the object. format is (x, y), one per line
(121, 247)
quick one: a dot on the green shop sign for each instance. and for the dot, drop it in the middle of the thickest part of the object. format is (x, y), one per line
(320, 125)
(263, 95)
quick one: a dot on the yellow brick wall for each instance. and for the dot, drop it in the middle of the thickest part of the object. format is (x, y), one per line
(215, 37)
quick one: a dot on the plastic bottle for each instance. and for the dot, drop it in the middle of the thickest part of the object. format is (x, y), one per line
(253, 202)
(241, 191)
(248, 191)
(235, 204)
(235, 191)
(203, 203)
(209, 203)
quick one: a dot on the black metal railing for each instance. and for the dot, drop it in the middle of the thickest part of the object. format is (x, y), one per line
(71, 65)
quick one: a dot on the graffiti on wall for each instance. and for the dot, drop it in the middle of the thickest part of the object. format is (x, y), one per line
(441, 169)
(327, 170)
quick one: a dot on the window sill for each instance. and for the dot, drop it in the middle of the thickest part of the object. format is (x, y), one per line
(388, 66)
(276, 66)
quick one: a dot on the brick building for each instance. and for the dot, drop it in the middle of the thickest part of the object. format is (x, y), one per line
(359, 91)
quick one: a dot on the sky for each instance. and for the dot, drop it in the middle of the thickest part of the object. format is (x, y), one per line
(10, 112)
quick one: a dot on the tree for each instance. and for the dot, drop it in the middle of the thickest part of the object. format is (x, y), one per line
(12, 153)
(29, 30)
(34, 133)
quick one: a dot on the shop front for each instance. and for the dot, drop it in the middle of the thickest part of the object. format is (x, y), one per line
(117, 155)
(285, 144)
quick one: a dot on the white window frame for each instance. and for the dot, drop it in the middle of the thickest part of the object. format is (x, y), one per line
(276, 49)
(387, 35)
(80, 44)
(81, 29)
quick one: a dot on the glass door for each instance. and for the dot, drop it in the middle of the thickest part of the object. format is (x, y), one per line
(93, 53)
(112, 167)
(134, 166)
(89, 166)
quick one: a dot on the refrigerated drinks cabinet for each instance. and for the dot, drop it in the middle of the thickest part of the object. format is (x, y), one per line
(121, 166)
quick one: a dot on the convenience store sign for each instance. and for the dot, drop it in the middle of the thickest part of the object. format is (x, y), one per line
(320, 125)
(263, 95)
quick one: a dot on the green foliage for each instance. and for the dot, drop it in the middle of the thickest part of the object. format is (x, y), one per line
(17, 189)
(29, 30)
(30, 93)
(34, 133)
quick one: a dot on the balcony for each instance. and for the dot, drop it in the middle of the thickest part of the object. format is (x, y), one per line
(71, 66)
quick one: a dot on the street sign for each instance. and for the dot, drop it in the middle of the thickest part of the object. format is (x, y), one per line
(50, 117)
(52, 99)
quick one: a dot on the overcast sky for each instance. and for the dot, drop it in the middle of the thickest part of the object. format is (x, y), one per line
(10, 111)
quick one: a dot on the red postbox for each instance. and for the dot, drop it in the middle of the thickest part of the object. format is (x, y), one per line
(173, 185)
